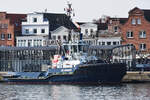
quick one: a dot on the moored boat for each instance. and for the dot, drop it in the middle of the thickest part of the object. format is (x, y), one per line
(74, 66)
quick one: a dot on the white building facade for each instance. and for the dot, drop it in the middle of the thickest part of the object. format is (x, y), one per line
(109, 41)
(62, 34)
(88, 29)
(35, 31)
(31, 41)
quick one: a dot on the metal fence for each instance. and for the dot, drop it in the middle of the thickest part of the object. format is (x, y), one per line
(21, 59)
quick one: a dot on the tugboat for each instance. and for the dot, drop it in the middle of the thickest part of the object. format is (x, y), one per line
(74, 66)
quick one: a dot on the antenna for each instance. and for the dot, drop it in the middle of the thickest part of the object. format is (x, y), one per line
(69, 10)
(70, 13)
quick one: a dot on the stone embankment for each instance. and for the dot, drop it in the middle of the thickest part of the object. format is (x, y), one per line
(136, 76)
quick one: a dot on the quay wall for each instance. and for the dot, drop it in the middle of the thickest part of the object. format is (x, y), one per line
(136, 76)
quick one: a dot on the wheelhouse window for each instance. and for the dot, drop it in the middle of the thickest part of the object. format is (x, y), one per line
(142, 46)
(133, 21)
(142, 34)
(129, 34)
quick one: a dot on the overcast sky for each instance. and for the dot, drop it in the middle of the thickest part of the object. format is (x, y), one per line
(85, 10)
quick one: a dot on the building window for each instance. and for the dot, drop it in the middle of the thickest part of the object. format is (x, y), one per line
(142, 34)
(65, 38)
(2, 36)
(86, 31)
(40, 42)
(3, 25)
(142, 46)
(99, 43)
(29, 43)
(27, 31)
(138, 21)
(42, 30)
(24, 43)
(59, 37)
(35, 43)
(91, 31)
(103, 43)
(34, 30)
(114, 43)
(116, 29)
(54, 37)
(34, 19)
(133, 21)
(129, 34)
(9, 36)
(108, 43)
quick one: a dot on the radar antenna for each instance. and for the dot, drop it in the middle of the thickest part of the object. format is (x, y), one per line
(69, 10)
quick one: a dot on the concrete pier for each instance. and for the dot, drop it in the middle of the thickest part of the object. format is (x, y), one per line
(136, 76)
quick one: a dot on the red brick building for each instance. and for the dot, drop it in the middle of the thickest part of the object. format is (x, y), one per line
(115, 24)
(136, 30)
(10, 26)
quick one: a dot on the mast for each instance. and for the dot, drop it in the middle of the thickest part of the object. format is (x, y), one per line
(70, 13)
(69, 10)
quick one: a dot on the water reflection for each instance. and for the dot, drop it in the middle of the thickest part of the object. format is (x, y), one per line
(75, 92)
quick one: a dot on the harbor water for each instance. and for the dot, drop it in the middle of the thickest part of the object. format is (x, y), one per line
(75, 92)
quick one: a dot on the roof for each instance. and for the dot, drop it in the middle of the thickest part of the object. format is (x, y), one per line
(147, 14)
(145, 11)
(56, 20)
(121, 20)
(80, 23)
(102, 26)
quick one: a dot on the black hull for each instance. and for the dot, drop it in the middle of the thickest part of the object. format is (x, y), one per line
(85, 74)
